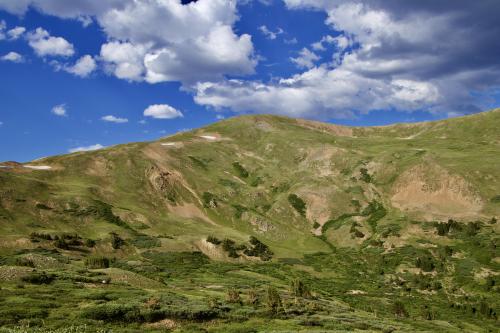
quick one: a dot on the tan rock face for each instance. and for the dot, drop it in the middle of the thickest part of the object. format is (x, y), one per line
(433, 191)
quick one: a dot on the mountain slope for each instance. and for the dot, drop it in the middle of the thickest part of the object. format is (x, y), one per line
(303, 188)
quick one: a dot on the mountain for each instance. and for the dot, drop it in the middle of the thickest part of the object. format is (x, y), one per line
(348, 226)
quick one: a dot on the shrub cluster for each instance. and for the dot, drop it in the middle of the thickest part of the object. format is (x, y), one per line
(214, 240)
(298, 204)
(258, 249)
(240, 170)
(38, 278)
(97, 262)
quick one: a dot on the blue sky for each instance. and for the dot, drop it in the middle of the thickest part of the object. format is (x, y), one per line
(88, 74)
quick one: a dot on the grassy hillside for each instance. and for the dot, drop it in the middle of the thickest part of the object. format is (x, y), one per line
(259, 223)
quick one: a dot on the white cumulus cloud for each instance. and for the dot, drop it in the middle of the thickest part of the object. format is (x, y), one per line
(269, 33)
(306, 58)
(113, 119)
(184, 43)
(13, 57)
(83, 66)
(46, 45)
(86, 148)
(60, 110)
(16, 32)
(162, 111)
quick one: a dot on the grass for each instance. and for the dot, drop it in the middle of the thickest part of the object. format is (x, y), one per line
(407, 273)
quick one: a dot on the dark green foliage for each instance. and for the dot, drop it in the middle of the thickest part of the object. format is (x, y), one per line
(71, 239)
(426, 263)
(298, 204)
(316, 225)
(214, 240)
(38, 278)
(97, 262)
(473, 228)
(198, 162)
(496, 199)
(116, 241)
(229, 246)
(273, 301)
(42, 206)
(256, 181)
(209, 200)
(259, 249)
(233, 296)
(358, 233)
(445, 228)
(89, 242)
(142, 241)
(493, 220)
(61, 244)
(100, 210)
(445, 252)
(399, 309)
(376, 211)
(240, 170)
(299, 289)
(426, 282)
(36, 236)
(365, 176)
(25, 262)
(490, 283)
(252, 297)
(280, 188)
(239, 210)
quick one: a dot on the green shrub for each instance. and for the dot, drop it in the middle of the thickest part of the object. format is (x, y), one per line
(25, 262)
(252, 297)
(61, 244)
(38, 278)
(426, 263)
(97, 262)
(273, 301)
(365, 176)
(240, 170)
(229, 245)
(42, 206)
(258, 249)
(398, 308)
(239, 210)
(209, 200)
(213, 240)
(376, 211)
(298, 204)
(89, 242)
(198, 162)
(496, 199)
(299, 289)
(35, 236)
(233, 296)
(116, 241)
(145, 242)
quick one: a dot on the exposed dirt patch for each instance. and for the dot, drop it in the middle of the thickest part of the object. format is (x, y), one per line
(433, 192)
(165, 324)
(320, 159)
(99, 166)
(189, 211)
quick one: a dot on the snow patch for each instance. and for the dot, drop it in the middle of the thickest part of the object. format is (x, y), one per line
(208, 137)
(170, 144)
(38, 167)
